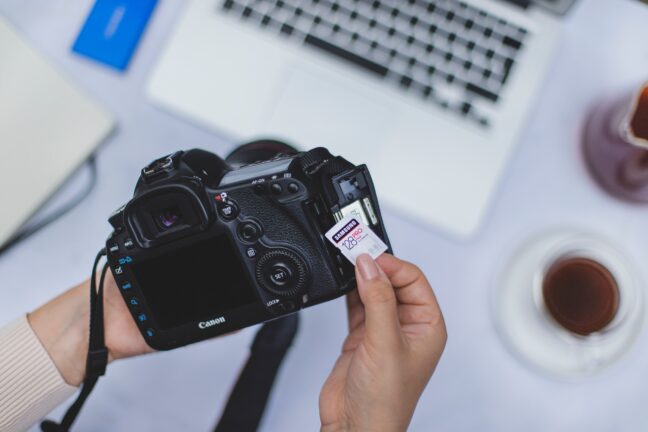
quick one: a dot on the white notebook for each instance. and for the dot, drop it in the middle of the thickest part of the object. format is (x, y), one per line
(48, 127)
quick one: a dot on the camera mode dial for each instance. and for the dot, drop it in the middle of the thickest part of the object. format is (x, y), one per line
(281, 272)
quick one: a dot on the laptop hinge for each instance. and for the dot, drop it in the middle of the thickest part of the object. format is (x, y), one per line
(524, 4)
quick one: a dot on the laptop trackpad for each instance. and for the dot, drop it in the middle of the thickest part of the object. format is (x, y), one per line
(317, 109)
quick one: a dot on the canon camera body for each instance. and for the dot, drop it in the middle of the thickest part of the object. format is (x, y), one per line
(205, 248)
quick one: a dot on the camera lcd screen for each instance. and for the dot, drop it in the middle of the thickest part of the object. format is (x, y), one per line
(194, 283)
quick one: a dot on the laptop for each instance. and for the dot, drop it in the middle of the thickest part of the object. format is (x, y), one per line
(48, 128)
(432, 95)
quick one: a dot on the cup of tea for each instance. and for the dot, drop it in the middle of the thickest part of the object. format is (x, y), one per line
(580, 293)
(569, 303)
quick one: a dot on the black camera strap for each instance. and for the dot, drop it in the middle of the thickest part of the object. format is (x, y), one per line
(251, 392)
(97, 359)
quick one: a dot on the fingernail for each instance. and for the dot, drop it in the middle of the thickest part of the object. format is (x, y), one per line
(367, 266)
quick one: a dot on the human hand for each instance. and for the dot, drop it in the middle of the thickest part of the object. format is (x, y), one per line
(396, 337)
(62, 327)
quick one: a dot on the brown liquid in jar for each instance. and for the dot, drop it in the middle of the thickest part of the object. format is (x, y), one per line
(639, 121)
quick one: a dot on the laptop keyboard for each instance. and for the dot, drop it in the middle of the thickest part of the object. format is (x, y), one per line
(446, 52)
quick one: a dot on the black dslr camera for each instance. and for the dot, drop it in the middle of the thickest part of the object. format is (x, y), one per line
(205, 247)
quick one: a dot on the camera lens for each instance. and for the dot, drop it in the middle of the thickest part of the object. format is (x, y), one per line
(169, 217)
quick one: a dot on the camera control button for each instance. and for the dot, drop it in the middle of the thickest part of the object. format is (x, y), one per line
(128, 243)
(114, 248)
(280, 275)
(251, 252)
(134, 302)
(228, 210)
(282, 308)
(293, 187)
(276, 188)
(277, 309)
(249, 231)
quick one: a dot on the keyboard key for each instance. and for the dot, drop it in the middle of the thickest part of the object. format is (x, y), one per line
(508, 65)
(346, 55)
(480, 91)
(465, 108)
(513, 43)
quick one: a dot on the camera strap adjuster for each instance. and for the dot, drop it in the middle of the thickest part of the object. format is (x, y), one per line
(97, 362)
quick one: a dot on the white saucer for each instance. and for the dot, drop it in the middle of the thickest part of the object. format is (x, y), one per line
(532, 334)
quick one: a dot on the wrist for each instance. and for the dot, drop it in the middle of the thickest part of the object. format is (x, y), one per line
(61, 325)
(348, 427)
(337, 427)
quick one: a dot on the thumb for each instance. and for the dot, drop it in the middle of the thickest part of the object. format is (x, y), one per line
(379, 300)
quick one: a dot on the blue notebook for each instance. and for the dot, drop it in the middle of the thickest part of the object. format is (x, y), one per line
(112, 30)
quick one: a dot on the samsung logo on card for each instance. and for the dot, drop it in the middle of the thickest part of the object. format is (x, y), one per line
(346, 229)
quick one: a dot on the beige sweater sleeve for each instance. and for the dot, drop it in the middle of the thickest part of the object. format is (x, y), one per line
(30, 384)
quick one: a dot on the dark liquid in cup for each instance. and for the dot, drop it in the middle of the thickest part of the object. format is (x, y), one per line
(581, 295)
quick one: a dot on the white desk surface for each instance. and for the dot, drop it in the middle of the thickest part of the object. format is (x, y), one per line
(478, 385)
